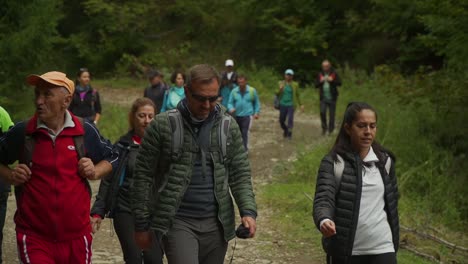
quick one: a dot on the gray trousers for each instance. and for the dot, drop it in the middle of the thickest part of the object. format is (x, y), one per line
(195, 241)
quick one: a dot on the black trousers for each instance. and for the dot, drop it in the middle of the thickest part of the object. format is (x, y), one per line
(3, 209)
(124, 227)
(386, 258)
(195, 241)
(331, 106)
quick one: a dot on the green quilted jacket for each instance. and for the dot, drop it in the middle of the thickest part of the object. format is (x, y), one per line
(161, 176)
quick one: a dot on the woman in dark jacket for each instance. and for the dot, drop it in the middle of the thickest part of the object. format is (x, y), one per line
(356, 197)
(113, 198)
(86, 102)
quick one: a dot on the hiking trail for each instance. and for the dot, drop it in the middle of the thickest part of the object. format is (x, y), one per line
(267, 149)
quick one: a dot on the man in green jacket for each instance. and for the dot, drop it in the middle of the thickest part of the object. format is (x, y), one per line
(182, 195)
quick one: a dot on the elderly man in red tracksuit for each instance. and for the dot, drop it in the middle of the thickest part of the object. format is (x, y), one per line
(52, 217)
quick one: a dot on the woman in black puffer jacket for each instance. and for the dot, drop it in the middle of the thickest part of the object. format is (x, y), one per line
(113, 199)
(356, 198)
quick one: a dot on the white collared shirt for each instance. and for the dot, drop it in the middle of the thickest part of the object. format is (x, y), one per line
(68, 123)
(373, 233)
(229, 75)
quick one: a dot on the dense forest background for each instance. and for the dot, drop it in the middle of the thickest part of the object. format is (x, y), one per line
(407, 56)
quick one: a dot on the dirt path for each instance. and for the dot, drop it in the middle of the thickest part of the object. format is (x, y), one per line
(267, 148)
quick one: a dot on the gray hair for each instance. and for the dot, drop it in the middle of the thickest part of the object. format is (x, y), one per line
(64, 90)
(203, 73)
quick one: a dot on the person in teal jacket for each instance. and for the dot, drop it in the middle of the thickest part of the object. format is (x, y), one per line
(176, 93)
(290, 99)
(244, 104)
(225, 91)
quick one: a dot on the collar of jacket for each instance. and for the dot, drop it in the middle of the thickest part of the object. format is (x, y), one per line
(184, 110)
(354, 157)
(77, 130)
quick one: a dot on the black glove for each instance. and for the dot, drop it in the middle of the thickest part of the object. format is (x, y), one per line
(242, 232)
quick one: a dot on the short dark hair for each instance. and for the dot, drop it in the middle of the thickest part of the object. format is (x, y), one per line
(201, 73)
(174, 75)
(153, 74)
(242, 76)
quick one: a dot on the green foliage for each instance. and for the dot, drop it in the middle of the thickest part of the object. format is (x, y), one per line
(27, 40)
(114, 123)
(446, 21)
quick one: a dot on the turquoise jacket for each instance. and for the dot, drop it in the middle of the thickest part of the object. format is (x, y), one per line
(246, 104)
(172, 98)
(225, 93)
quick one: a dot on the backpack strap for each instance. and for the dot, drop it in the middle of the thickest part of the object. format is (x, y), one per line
(93, 98)
(223, 135)
(177, 128)
(252, 94)
(79, 141)
(338, 168)
(28, 150)
(81, 151)
(388, 165)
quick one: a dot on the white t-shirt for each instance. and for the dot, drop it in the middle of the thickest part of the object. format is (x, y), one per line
(373, 233)
(229, 75)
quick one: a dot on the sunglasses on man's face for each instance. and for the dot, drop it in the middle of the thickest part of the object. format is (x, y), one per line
(203, 99)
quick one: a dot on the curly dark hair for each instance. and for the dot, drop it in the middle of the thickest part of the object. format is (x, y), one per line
(174, 75)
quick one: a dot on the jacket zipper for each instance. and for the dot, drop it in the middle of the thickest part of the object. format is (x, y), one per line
(55, 187)
(216, 196)
(357, 203)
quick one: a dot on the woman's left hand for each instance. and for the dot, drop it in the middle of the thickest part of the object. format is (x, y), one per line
(328, 228)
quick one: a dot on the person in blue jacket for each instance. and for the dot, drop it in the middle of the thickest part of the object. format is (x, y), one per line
(176, 93)
(244, 104)
(225, 91)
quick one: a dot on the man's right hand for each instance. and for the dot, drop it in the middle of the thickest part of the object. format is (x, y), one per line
(96, 223)
(143, 239)
(328, 228)
(232, 111)
(20, 174)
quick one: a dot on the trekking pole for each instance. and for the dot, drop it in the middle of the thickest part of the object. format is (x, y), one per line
(233, 251)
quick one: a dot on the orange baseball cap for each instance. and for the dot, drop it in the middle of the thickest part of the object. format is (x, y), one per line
(54, 78)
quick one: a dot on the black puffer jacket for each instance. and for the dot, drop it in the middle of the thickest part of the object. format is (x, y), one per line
(113, 191)
(344, 211)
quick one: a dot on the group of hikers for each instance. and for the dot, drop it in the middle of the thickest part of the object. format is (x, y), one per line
(170, 182)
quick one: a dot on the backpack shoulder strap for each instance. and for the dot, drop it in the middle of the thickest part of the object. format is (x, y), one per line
(388, 165)
(28, 150)
(177, 128)
(252, 93)
(79, 141)
(338, 168)
(223, 135)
